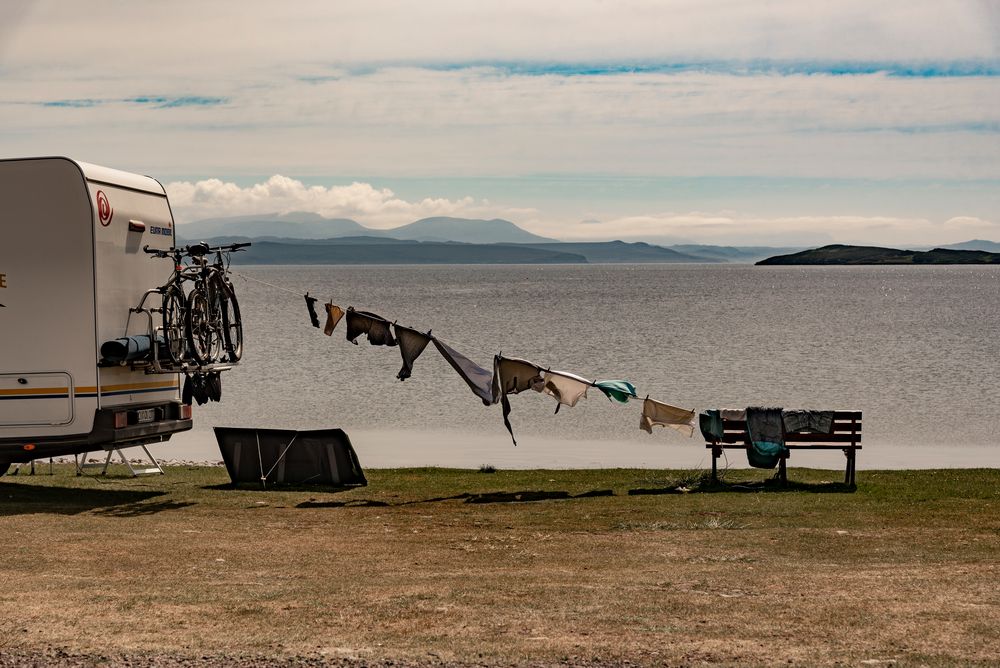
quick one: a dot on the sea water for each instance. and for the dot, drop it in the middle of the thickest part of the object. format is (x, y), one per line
(913, 347)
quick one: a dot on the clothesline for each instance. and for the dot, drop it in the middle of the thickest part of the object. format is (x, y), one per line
(509, 376)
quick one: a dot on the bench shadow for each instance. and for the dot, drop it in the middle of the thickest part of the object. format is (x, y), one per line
(25, 499)
(770, 485)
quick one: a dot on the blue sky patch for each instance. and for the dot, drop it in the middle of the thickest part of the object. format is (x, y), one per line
(164, 102)
(907, 69)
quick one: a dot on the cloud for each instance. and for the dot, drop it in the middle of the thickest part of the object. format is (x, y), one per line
(374, 207)
(257, 34)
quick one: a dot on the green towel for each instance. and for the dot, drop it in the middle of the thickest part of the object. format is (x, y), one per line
(767, 437)
(710, 423)
(617, 390)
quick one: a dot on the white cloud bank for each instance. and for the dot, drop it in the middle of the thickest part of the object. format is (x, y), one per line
(373, 207)
(381, 208)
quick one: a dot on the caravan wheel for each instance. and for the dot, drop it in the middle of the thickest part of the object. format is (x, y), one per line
(3, 467)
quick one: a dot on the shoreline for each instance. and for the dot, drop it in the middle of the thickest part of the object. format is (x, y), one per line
(391, 449)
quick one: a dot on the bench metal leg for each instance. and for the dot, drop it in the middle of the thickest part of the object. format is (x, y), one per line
(849, 475)
(715, 463)
(782, 470)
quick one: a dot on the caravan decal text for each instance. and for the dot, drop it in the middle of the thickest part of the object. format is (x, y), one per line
(3, 283)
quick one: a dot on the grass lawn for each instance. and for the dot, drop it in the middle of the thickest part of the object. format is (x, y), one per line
(426, 566)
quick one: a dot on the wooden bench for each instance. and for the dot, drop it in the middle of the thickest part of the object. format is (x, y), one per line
(845, 435)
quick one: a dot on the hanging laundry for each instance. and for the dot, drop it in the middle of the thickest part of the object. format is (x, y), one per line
(375, 326)
(735, 414)
(767, 437)
(411, 344)
(333, 315)
(311, 305)
(710, 423)
(479, 380)
(656, 413)
(513, 376)
(567, 388)
(617, 390)
(820, 422)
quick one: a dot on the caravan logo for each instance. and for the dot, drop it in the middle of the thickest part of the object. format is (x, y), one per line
(104, 210)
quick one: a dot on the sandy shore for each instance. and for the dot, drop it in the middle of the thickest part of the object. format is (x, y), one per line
(394, 449)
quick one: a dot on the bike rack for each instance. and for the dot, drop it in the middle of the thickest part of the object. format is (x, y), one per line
(157, 365)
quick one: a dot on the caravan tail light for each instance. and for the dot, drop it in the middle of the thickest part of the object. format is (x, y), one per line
(185, 411)
(121, 420)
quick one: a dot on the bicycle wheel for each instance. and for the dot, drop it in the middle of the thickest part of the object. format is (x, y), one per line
(204, 327)
(174, 325)
(232, 325)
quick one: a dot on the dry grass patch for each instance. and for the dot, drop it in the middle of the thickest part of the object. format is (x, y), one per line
(430, 565)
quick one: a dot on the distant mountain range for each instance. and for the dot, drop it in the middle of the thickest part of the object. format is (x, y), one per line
(301, 237)
(302, 225)
(839, 254)
(975, 244)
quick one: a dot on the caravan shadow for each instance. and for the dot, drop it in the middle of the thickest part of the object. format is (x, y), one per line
(22, 499)
(281, 487)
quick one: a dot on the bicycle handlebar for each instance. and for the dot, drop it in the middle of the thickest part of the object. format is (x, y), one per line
(195, 250)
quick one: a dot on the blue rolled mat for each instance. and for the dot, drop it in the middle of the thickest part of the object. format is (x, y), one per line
(126, 349)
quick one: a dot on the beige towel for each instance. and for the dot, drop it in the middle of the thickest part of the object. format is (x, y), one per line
(655, 413)
(567, 388)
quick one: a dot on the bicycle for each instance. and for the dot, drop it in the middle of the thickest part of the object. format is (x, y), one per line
(213, 313)
(174, 304)
(207, 319)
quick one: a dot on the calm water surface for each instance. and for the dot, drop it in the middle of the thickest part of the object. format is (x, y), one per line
(913, 347)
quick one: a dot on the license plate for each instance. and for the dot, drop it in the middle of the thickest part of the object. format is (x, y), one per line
(145, 415)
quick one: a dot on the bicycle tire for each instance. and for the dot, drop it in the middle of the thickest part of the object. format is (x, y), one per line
(232, 324)
(203, 329)
(174, 323)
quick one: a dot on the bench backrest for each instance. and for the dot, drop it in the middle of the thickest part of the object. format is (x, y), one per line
(846, 431)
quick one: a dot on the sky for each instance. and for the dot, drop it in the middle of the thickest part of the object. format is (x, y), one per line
(780, 123)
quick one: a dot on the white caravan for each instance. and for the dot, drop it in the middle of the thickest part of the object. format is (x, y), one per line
(71, 267)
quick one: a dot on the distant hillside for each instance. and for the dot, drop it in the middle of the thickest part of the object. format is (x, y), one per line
(838, 254)
(621, 252)
(733, 253)
(975, 244)
(467, 230)
(377, 251)
(298, 225)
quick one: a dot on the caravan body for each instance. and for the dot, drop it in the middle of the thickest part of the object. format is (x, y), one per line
(71, 267)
